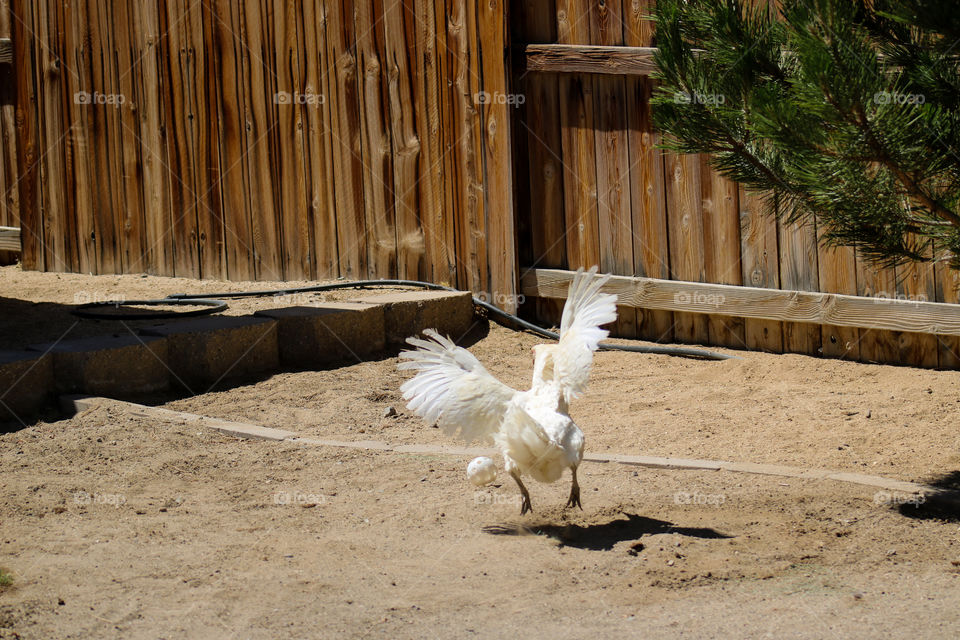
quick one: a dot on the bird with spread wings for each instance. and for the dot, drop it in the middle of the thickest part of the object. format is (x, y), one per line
(532, 429)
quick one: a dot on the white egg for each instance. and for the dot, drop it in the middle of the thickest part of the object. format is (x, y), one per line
(481, 471)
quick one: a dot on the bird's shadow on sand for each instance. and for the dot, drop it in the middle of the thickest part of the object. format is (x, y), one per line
(603, 537)
(943, 505)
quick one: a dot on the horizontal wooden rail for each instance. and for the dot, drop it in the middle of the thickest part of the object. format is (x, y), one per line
(10, 239)
(582, 58)
(766, 304)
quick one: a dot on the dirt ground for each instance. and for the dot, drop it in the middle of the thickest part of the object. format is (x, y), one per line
(114, 525)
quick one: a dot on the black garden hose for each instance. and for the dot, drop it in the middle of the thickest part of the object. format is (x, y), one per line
(529, 326)
(212, 303)
(207, 307)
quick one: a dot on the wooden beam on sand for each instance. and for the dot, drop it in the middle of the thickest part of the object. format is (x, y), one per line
(10, 239)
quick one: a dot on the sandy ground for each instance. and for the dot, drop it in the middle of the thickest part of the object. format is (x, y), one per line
(113, 525)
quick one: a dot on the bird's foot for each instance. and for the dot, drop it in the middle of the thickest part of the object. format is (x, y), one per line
(574, 499)
(525, 505)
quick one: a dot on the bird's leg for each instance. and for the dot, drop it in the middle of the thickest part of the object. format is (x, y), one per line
(525, 505)
(574, 500)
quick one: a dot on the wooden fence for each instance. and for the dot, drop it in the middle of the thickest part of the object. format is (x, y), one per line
(458, 141)
(600, 192)
(265, 140)
(9, 205)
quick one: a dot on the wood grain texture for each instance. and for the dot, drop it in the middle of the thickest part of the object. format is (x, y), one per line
(10, 239)
(947, 289)
(463, 132)
(838, 274)
(81, 176)
(179, 70)
(230, 104)
(376, 144)
(497, 174)
(613, 162)
(437, 222)
(53, 129)
(758, 259)
(605, 60)
(345, 123)
(768, 304)
(126, 50)
(399, 63)
(577, 122)
(685, 214)
(290, 105)
(648, 205)
(876, 344)
(540, 123)
(798, 270)
(916, 283)
(318, 141)
(9, 198)
(158, 222)
(721, 245)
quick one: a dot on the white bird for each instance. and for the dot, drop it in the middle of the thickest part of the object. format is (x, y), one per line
(532, 429)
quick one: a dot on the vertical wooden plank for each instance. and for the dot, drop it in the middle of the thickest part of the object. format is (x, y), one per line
(838, 274)
(260, 90)
(289, 105)
(947, 289)
(226, 51)
(205, 132)
(798, 271)
(613, 162)
(66, 214)
(497, 172)
(318, 142)
(28, 135)
(648, 205)
(379, 206)
(401, 69)
(463, 128)
(113, 199)
(178, 64)
(153, 144)
(721, 244)
(758, 257)
(54, 203)
(79, 168)
(345, 131)
(576, 102)
(112, 196)
(128, 56)
(685, 214)
(541, 127)
(916, 283)
(449, 134)
(876, 345)
(437, 221)
(9, 175)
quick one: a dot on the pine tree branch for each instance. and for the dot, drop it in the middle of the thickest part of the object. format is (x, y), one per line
(915, 190)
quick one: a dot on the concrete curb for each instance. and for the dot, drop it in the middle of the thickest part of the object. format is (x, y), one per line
(930, 494)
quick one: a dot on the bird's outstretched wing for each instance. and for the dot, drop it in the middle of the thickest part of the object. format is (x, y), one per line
(585, 311)
(453, 389)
